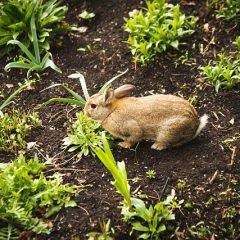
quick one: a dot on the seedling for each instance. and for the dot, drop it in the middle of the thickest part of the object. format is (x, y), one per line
(151, 174)
(86, 15)
(14, 128)
(106, 232)
(228, 10)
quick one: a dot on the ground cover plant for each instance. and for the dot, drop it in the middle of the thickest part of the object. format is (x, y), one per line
(156, 29)
(203, 175)
(24, 190)
(224, 72)
(227, 10)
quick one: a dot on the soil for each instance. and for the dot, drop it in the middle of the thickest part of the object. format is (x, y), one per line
(196, 162)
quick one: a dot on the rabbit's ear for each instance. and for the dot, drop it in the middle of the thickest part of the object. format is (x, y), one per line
(108, 95)
(124, 90)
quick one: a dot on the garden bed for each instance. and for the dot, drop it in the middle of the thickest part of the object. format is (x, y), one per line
(206, 165)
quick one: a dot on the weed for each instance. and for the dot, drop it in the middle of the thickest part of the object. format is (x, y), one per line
(83, 135)
(199, 231)
(157, 28)
(151, 174)
(223, 73)
(237, 42)
(24, 190)
(14, 127)
(86, 15)
(105, 234)
(227, 10)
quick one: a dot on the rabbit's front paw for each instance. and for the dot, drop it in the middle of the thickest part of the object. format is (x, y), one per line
(125, 144)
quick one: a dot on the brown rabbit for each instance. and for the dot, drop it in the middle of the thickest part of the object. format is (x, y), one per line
(166, 119)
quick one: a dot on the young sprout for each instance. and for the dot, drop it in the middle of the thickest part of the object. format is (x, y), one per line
(86, 15)
(151, 174)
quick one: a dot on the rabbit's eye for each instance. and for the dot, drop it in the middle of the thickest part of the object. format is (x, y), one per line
(93, 105)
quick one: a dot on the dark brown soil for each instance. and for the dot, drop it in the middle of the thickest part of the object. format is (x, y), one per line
(195, 162)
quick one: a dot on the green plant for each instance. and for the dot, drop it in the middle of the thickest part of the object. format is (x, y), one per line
(237, 42)
(14, 127)
(151, 174)
(86, 15)
(32, 62)
(117, 170)
(24, 191)
(226, 9)
(223, 73)
(77, 99)
(8, 232)
(157, 28)
(15, 18)
(83, 135)
(105, 234)
(153, 222)
(21, 87)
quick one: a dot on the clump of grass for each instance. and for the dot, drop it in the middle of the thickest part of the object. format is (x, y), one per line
(157, 28)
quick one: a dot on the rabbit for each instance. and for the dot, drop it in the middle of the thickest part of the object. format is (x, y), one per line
(168, 120)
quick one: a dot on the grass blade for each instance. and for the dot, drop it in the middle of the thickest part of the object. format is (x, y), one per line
(35, 40)
(8, 100)
(62, 100)
(109, 83)
(82, 82)
(24, 49)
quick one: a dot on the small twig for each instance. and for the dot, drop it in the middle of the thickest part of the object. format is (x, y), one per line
(233, 149)
(213, 178)
(164, 188)
(68, 169)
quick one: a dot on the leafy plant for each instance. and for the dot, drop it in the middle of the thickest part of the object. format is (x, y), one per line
(153, 221)
(77, 99)
(24, 190)
(8, 232)
(105, 234)
(151, 174)
(32, 62)
(223, 73)
(226, 9)
(18, 91)
(14, 127)
(86, 15)
(157, 28)
(117, 170)
(15, 18)
(83, 135)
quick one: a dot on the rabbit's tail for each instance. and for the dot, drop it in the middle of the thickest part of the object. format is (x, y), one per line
(203, 122)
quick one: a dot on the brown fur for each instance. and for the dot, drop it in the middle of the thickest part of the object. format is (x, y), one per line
(165, 119)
